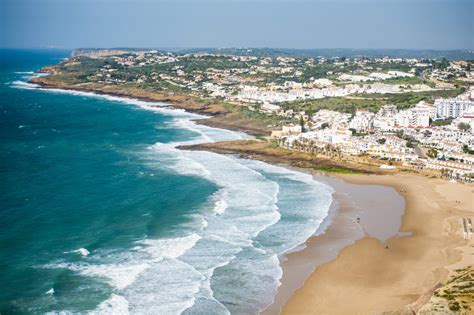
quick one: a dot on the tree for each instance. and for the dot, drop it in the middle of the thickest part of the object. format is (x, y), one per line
(432, 153)
(465, 149)
(302, 123)
(463, 126)
(400, 133)
(324, 125)
(381, 140)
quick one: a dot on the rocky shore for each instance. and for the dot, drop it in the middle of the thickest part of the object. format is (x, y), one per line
(269, 152)
(221, 116)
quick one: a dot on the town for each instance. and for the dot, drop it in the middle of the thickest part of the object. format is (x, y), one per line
(414, 114)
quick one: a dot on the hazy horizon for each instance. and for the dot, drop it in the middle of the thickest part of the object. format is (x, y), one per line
(300, 24)
(234, 47)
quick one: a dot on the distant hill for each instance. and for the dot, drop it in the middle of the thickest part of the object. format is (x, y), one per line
(288, 52)
(349, 53)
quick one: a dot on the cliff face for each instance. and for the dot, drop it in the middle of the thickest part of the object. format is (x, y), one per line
(454, 297)
(271, 153)
(97, 53)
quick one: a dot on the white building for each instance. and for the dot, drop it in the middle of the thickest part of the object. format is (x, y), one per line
(387, 111)
(354, 78)
(467, 118)
(417, 117)
(446, 108)
(362, 121)
(271, 108)
(292, 128)
(332, 118)
(329, 136)
(385, 118)
(398, 74)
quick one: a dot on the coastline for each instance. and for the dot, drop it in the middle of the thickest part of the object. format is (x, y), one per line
(304, 300)
(369, 277)
(373, 279)
(219, 115)
(353, 216)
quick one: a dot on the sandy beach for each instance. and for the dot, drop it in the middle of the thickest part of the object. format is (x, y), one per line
(383, 263)
(400, 274)
(356, 211)
(392, 239)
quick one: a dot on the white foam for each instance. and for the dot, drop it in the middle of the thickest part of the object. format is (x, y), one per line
(118, 275)
(245, 205)
(63, 312)
(168, 287)
(82, 251)
(168, 276)
(220, 205)
(115, 305)
(24, 85)
(165, 156)
(50, 291)
(125, 270)
(170, 248)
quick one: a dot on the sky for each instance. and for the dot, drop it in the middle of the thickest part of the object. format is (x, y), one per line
(307, 24)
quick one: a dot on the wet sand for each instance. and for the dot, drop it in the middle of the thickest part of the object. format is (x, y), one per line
(357, 211)
(368, 278)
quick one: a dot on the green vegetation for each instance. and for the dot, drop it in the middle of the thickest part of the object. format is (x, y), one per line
(465, 149)
(454, 306)
(338, 170)
(442, 122)
(185, 75)
(407, 100)
(302, 123)
(458, 292)
(371, 102)
(340, 104)
(382, 140)
(432, 153)
(408, 80)
(464, 127)
(264, 118)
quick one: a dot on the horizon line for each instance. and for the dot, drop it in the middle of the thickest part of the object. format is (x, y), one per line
(470, 50)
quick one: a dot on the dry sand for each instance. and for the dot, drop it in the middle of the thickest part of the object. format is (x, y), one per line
(356, 211)
(367, 278)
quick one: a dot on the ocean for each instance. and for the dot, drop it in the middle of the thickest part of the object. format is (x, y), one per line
(100, 213)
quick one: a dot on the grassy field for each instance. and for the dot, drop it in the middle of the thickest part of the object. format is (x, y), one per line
(372, 102)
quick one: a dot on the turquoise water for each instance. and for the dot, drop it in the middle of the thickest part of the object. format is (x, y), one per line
(100, 213)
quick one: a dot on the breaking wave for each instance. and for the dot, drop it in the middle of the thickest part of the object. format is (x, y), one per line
(238, 237)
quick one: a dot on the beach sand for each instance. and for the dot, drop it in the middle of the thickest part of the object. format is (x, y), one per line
(357, 211)
(368, 278)
(349, 269)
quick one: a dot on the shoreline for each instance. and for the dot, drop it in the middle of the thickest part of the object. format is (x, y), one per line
(373, 279)
(350, 219)
(218, 115)
(300, 293)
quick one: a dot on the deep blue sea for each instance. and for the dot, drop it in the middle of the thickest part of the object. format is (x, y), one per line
(100, 213)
